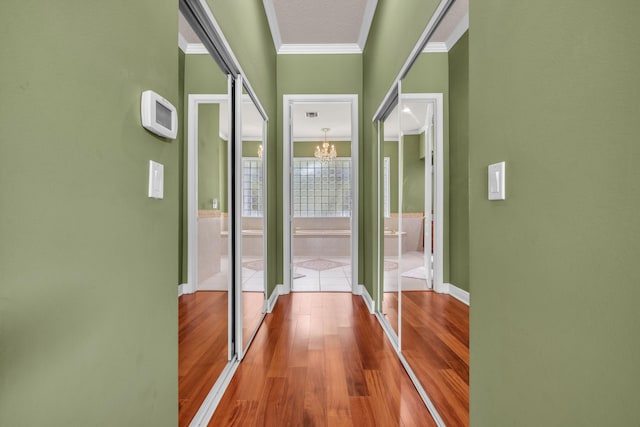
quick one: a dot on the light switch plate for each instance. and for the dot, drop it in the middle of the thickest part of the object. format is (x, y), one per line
(496, 182)
(156, 180)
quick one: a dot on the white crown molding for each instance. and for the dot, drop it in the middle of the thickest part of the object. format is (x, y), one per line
(458, 31)
(320, 139)
(270, 11)
(196, 49)
(319, 49)
(435, 47)
(182, 43)
(367, 20)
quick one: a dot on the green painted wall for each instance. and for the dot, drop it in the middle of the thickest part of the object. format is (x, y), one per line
(199, 74)
(318, 74)
(412, 178)
(88, 308)
(245, 27)
(412, 175)
(554, 271)
(210, 178)
(430, 74)
(250, 148)
(459, 163)
(308, 148)
(396, 27)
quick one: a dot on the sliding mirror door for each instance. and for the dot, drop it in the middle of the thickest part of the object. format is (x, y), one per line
(250, 234)
(390, 141)
(204, 347)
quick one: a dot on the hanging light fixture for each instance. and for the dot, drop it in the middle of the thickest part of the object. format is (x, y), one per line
(260, 151)
(328, 151)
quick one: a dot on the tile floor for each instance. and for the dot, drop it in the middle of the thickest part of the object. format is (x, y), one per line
(321, 274)
(252, 276)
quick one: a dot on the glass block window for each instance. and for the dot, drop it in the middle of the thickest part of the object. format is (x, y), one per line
(321, 189)
(387, 187)
(252, 203)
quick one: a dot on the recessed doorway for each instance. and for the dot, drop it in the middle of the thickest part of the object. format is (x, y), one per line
(321, 188)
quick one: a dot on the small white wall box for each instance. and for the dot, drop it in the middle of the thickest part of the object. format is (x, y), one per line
(496, 181)
(158, 115)
(156, 180)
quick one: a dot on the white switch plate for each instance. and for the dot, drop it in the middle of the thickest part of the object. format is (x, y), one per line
(156, 180)
(496, 181)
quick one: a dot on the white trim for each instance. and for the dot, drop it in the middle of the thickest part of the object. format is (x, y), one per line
(435, 47)
(364, 293)
(421, 391)
(442, 47)
(458, 31)
(181, 289)
(415, 52)
(270, 11)
(321, 138)
(388, 330)
(183, 44)
(271, 302)
(194, 100)
(459, 294)
(227, 47)
(367, 20)
(287, 217)
(210, 403)
(319, 49)
(196, 49)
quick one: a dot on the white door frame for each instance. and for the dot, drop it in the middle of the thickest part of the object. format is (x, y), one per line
(438, 185)
(287, 215)
(194, 102)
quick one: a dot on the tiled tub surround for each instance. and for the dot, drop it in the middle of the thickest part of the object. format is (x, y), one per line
(412, 233)
(322, 237)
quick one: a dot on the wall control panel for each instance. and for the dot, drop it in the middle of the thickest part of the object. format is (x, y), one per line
(496, 181)
(156, 180)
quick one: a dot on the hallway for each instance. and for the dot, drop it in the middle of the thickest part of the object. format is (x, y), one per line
(321, 359)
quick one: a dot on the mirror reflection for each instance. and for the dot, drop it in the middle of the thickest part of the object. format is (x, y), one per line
(204, 316)
(390, 206)
(253, 200)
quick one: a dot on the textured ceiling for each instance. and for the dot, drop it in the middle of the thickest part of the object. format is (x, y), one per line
(456, 13)
(319, 22)
(335, 116)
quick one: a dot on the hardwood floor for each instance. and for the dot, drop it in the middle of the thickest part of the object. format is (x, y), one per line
(321, 359)
(202, 348)
(435, 342)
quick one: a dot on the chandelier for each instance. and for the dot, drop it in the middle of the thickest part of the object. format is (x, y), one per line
(328, 151)
(260, 151)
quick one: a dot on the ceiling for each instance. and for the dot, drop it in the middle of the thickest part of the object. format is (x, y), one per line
(330, 26)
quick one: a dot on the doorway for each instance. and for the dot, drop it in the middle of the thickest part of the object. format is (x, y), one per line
(320, 202)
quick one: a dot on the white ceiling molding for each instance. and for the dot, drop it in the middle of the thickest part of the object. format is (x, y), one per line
(320, 138)
(435, 47)
(196, 49)
(458, 31)
(270, 11)
(317, 49)
(182, 43)
(367, 20)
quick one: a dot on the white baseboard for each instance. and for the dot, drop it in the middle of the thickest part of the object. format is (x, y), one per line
(362, 291)
(273, 298)
(182, 289)
(459, 294)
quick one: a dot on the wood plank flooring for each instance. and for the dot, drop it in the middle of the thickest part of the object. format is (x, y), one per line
(435, 342)
(321, 360)
(202, 348)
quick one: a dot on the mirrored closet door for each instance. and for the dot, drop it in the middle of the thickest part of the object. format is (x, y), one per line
(251, 201)
(390, 143)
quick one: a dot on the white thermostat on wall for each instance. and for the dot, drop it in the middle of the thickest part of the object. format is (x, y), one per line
(158, 115)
